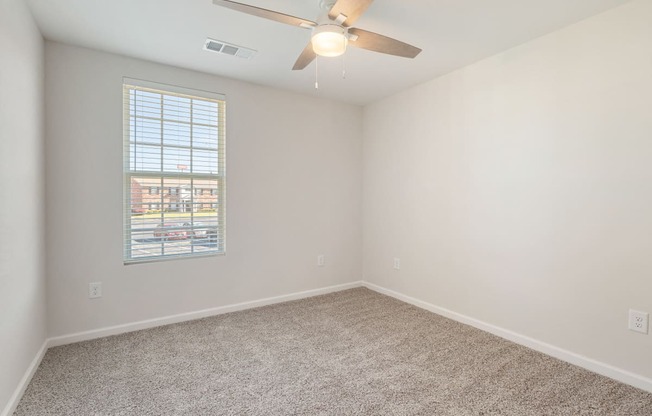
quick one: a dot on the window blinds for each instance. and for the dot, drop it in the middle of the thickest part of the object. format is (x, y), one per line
(174, 172)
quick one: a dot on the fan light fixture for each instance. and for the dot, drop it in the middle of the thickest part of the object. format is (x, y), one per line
(329, 40)
(332, 31)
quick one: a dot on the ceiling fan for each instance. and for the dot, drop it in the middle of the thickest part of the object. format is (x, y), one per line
(332, 31)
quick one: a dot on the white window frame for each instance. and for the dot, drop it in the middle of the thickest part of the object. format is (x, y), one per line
(220, 175)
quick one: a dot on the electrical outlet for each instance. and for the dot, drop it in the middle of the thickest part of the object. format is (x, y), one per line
(638, 321)
(320, 260)
(95, 290)
(397, 263)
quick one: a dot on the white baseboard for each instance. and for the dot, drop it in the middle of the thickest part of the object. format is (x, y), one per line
(590, 364)
(24, 382)
(189, 316)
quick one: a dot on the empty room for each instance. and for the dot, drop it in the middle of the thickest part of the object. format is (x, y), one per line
(325, 207)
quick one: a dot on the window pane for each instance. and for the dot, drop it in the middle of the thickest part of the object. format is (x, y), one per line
(204, 112)
(176, 134)
(145, 158)
(145, 131)
(204, 161)
(204, 136)
(175, 160)
(176, 108)
(146, 104)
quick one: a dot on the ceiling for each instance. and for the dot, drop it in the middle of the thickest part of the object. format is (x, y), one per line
(452, 34)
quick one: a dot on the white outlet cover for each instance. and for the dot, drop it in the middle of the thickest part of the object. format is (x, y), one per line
(397, 263)
(95, 290)
(638, 321)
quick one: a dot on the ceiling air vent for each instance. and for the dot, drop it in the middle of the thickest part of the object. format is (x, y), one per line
(228, 49)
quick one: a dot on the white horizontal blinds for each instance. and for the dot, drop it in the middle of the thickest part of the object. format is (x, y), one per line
(174, 172)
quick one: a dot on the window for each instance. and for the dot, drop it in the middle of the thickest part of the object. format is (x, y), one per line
(174, 141)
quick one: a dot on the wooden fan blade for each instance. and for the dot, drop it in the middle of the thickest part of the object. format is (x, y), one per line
(379, 43)
(267, 14)
(307, 56)
(352, 9)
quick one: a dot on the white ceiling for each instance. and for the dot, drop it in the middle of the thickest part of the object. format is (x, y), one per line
(452, 34)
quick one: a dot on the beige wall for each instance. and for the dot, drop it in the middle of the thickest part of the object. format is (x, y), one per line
(22, 281)
(518, 190)
(293, 192)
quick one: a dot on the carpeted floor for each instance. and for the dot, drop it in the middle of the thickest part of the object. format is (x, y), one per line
(354, 352)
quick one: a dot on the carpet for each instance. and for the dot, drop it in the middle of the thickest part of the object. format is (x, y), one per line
(354, 352)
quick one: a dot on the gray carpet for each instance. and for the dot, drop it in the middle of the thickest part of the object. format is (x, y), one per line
(354, 352)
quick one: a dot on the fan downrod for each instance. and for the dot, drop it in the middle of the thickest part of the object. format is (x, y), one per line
(326, 5)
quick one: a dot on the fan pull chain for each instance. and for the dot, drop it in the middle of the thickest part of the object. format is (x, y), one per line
(344, 61)
(317, 73)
